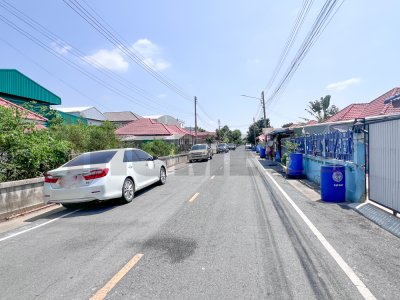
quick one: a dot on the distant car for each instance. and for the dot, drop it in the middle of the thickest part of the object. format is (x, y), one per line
(222, 148)
(200, 152)
(247, 147)
(103, 175)
(231, 146)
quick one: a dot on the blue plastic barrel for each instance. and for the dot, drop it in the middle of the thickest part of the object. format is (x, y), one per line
(262, 152)
(278, 156)
(295, 167)
(333, 187)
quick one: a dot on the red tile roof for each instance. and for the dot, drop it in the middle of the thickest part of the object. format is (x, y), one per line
(144, 127)
(27, 114)
(177, 130)
(376, 107)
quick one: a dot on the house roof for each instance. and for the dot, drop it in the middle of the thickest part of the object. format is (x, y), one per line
(73, 109)
(376, 107)
(87, 112)
(144, 126)
(14, 83)
(29, 115)
(121, 116)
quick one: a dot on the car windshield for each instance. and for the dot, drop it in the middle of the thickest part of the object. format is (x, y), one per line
(222, 145)
(199, 147)
(91, 158)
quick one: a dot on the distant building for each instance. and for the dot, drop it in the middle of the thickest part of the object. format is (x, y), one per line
(167, 120)
(121, 118)
(23, 91)
(92, 115)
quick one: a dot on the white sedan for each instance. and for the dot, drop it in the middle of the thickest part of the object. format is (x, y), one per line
(103, 175)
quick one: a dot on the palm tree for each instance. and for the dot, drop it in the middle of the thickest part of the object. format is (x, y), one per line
(320, 109)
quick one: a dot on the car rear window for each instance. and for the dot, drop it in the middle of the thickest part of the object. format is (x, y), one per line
(91, 158)
(199, 147)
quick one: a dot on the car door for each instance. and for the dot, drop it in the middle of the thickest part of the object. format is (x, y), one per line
(149, 166)
(135, 167)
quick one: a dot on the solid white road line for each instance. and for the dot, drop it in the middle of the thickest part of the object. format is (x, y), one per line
(362, 288)
(37, 226)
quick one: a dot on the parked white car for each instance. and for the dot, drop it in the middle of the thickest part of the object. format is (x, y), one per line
(103, 175)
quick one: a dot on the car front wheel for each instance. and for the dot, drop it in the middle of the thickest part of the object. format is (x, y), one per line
(163, 176)
(128, 191)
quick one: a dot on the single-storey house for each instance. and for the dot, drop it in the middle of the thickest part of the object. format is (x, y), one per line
(121, 118)
(90, 113)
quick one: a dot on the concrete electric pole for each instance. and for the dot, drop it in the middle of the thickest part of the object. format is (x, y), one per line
(195, 120)
(263, 105)
(254, 130)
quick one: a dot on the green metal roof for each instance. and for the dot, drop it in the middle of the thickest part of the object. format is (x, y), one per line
(14, 83)
(71, 119)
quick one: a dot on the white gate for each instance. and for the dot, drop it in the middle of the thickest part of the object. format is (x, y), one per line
(384, 163)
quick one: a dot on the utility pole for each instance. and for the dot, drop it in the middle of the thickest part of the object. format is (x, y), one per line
(195, 120)
(254, 130)
(219, 130)
(263, 105)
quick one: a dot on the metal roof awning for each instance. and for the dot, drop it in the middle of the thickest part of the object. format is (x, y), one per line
(392, 99)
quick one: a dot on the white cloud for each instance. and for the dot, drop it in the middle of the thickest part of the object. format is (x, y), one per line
(151, 54)
(61, 47)
(161, 96)
(116, 60)
(341, 85)
(109, 59)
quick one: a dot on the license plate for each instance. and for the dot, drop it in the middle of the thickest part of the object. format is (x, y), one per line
(68, 181)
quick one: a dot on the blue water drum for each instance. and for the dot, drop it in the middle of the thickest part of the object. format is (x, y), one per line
(333, 183)
(262, 152)
(295, 167)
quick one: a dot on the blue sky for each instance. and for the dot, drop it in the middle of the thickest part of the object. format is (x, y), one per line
(216, 50)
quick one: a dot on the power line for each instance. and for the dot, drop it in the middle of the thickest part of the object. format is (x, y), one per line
(52, 74)
(316, 30)
(75, 66)
(79, 54)
(290, 41)
(121, 45)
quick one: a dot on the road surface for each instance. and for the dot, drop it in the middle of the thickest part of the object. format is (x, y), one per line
(217, 230)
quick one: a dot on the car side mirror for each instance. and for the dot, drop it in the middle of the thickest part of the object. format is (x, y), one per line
(155, 157)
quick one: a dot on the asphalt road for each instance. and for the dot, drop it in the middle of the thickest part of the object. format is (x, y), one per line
(216, 230)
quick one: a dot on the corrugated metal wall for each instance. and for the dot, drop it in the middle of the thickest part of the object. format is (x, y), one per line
(13, 82)
(384, 163)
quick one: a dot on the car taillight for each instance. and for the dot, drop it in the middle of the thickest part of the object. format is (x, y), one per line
(50, 179)
(96, 174)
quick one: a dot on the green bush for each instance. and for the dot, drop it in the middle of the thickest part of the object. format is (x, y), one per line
(26, 152)
(160, 148)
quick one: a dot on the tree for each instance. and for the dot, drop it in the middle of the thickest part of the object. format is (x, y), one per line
(199, 129)
(257, 128)
(226, 135)
(321, 110)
